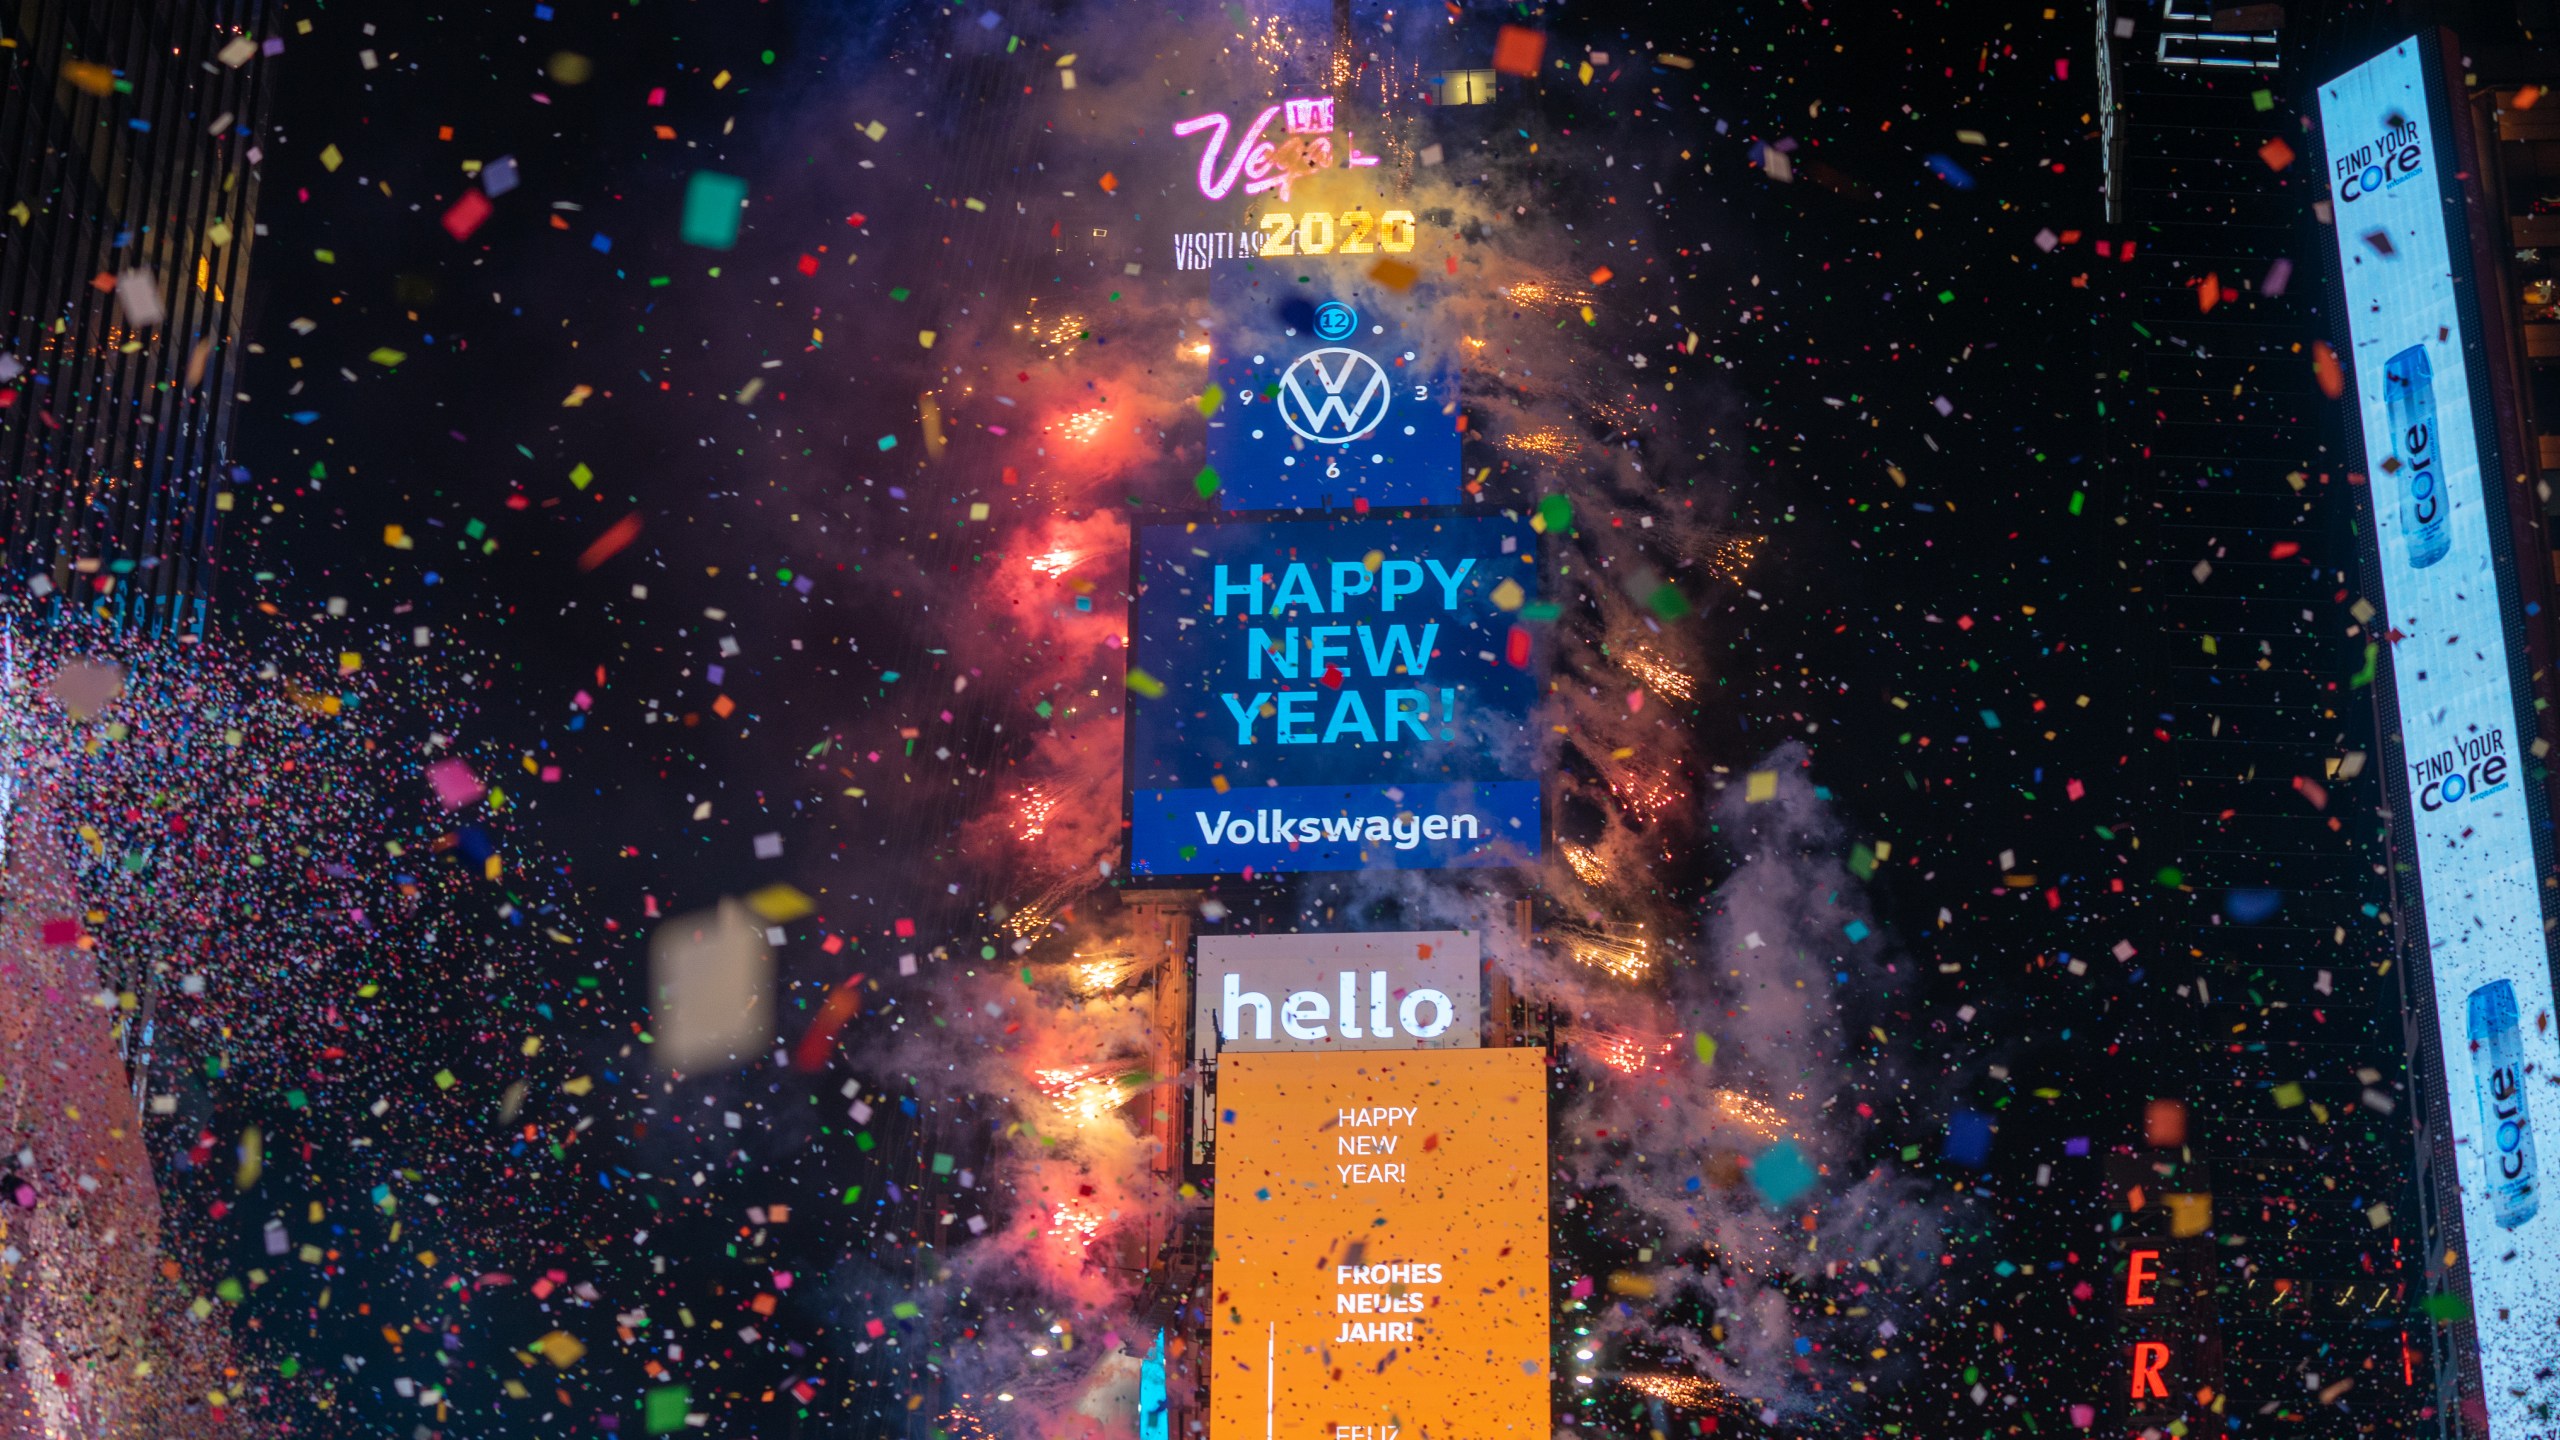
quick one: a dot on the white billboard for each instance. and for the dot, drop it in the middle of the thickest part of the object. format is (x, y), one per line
(1397, 990)
(2405, 264)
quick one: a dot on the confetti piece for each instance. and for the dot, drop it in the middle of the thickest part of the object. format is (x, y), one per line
(714, 208)
(611, 542)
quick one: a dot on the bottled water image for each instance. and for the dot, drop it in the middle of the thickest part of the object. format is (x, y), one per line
(2506, 1124)
(2409, 397)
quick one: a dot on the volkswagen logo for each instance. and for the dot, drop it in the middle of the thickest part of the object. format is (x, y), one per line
(1335, 395)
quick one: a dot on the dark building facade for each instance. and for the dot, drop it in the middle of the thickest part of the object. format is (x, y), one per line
(129, 148)
(2255, 1214)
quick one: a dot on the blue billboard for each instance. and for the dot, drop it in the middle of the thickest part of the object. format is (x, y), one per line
(1336, 393)
(1317, 695)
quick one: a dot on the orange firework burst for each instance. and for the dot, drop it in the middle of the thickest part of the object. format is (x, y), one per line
(1084, 425)
(1731, 558)
(1034, 814)
(1543, 294)
(1659, 675)
(1757, 1116)
(1619, 949)
(1689, 1392)
(1586, 864)
(1095, 974)
(1628, 1052)
(1547, 442)
(1075, 1226)
(1083, 1093)
(1646, 797)
(1054, 563)
(1061, 333)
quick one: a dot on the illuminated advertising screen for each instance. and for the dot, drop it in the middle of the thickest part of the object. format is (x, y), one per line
(1384, 990)
(1315, 695)
(2451, 608)
(1335, 394)
(1382, 1247)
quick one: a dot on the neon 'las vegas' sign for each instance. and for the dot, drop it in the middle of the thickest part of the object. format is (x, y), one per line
(1270, 165)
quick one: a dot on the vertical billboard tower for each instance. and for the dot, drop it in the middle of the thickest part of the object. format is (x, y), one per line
(2471, 816)
(1330, 674)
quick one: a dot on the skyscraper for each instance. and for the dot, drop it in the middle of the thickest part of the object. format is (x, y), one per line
(129, 137)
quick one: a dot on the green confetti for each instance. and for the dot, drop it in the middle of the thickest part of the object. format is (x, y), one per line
(663, 1409)
(713, 205)
(1145, 684)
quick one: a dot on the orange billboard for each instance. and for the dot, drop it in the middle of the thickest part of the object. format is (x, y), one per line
(1381, 1246)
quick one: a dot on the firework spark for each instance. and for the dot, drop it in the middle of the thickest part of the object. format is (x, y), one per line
(1689, 1392)
(1054, 563)
(1646, 797)
(1061, 333)
(1036, 914)
(1096, 974)
(1757, 1116)
(1033, 814)
(1586, 864)
(1084, 425)
(1731, 558)
(1659, 675)
(1084, 1093)
(1547, 442)
(1628, 1052)
(1543, 295)
(1075, 1226)
(1618, 949)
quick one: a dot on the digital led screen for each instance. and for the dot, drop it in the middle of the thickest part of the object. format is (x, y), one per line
(1381, 1241)
(2420, 390)
(1336, 393)
(1385, 990)
(1315, 695)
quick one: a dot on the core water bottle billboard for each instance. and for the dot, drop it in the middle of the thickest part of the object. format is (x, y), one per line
(1325, 695)
(2421, 380)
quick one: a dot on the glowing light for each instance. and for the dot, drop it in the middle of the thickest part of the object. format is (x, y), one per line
(1732, 558)
(1543, 295)
(1095, 974)
(1084, 425)
(1075, 1226)
(1619, 950)
(1063, 333)
(1037, 913)
(1054, 563)
(1646, 797)
(1689, 1392)
(1758, 1116)
(1659, 675)
(1628, 1052)
(1548, 442)
(1586, 864)
(1083, 1093)
(1033, 814)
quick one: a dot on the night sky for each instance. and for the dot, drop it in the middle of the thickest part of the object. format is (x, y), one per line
(722, 606)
